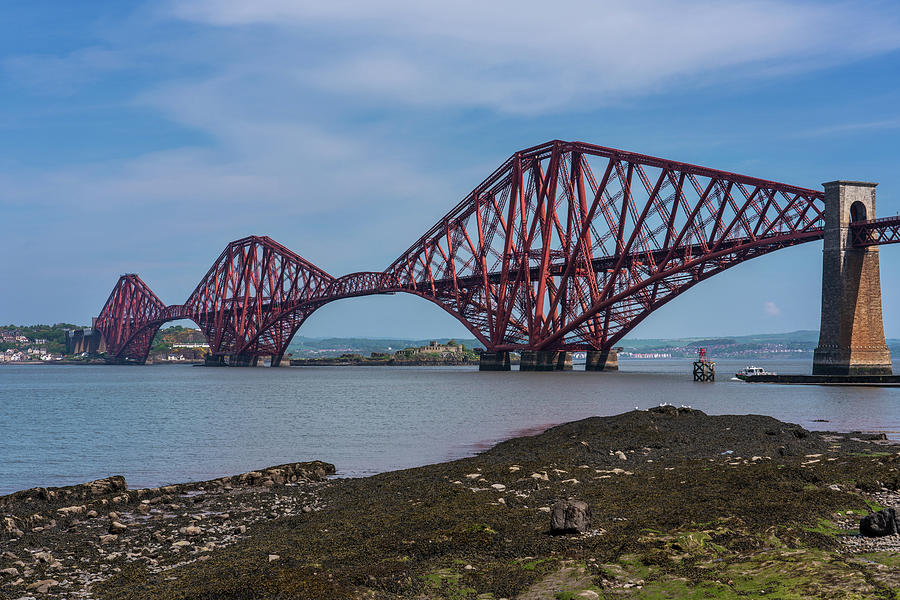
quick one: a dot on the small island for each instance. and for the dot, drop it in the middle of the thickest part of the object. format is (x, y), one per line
(434, 354)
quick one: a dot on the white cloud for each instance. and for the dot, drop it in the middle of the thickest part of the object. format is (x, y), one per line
(530, 56)
(771, 309)
(852, 127)
(305, 112)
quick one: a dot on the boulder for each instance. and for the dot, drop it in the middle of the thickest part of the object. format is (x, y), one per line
(570, 516)
(884, 522)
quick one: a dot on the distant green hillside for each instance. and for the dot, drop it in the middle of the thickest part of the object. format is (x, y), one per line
(305, 346)
(798, 341)
(801, 338)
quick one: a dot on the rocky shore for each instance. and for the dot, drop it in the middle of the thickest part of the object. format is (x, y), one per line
(681, 505)
(60, 542)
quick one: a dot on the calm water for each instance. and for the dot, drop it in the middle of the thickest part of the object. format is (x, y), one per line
(61, 425)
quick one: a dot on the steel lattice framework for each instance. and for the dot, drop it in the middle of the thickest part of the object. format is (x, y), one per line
(566, 246)
(876, 232)
(130, 318)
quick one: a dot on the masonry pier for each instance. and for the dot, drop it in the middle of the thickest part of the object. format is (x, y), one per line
(281, 361)
(545, 360)
(242, 360)
(601, 360)
(494, 361)
(851, 338)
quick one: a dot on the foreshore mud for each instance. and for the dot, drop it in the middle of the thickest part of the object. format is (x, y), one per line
(682, 505)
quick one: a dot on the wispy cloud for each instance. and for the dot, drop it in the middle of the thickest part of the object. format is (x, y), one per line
(771, 309)
(858, 126)
(311, 120)
(528, 56)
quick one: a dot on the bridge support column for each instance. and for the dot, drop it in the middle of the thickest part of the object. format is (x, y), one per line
(242, 360)
(214, 360)
(281, 361)
(851, 338)
(545, 360)
(601, 360)
(494, 361)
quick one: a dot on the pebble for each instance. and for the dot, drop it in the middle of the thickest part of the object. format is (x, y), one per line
(43, 586)
(273, 557)
(499, 487)
(116, 527)
(87, 551)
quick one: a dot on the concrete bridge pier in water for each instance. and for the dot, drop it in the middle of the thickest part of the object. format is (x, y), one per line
(549, 360)
(851, 337)
(247, 360)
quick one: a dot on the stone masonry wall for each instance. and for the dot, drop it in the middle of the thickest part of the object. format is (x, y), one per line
(851, 337)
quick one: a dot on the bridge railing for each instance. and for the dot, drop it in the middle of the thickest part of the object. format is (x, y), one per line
(876, 232)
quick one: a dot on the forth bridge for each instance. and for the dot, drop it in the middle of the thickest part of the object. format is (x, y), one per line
(567, 246)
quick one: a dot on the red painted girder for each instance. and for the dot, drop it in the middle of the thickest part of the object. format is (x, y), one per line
(876, 232)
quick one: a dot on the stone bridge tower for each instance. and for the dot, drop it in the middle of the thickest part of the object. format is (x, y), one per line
(851, 338)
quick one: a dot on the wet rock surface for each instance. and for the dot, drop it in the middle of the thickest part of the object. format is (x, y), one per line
(702, 506)
(881, 523)
(52, 549)
(570, 516)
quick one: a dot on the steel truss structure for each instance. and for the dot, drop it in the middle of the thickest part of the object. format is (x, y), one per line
(566, 246)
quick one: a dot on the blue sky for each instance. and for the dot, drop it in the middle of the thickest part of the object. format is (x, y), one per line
(142, 137)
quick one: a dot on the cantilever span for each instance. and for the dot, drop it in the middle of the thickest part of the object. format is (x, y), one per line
(566, 246)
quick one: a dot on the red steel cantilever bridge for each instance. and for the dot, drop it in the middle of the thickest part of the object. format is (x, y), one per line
(566, 246)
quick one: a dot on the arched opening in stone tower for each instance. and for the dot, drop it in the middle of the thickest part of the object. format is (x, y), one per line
(857, 211)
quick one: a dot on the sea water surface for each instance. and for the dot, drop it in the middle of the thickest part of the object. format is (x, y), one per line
(61, 425)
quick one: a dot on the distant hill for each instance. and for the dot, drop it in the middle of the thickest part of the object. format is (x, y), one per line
(305, 346)
(804, 337)
(804, 340)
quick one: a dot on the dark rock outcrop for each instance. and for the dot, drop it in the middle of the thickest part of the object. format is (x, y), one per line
(570, 516)
(882, 523)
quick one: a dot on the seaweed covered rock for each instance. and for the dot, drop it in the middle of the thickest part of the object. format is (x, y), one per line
(882, 523)
(570, 516)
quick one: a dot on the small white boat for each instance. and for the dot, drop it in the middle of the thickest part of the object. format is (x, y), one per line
(751, 371)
